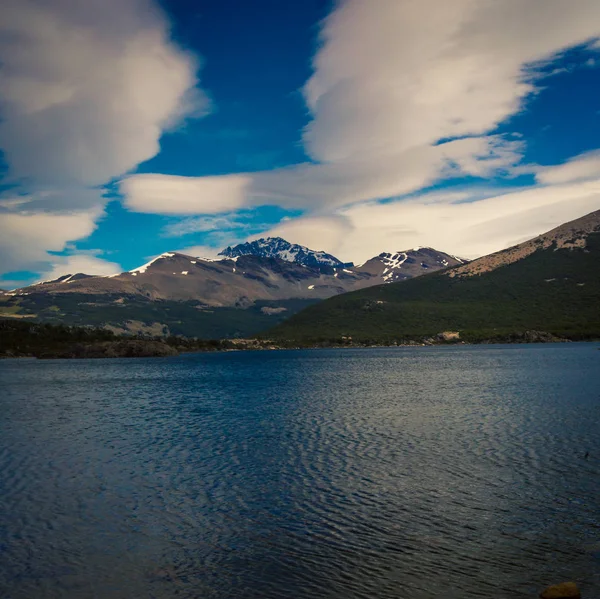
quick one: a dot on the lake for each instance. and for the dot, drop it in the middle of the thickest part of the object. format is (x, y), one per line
(440, 472)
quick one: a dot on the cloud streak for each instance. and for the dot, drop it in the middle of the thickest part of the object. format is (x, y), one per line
(430, 70)
(323, 186)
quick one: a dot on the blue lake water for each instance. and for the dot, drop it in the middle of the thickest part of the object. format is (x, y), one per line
(383, 473)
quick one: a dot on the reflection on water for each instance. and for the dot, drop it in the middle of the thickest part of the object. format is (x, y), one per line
(421, 473)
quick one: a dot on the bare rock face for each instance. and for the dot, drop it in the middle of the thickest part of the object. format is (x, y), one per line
(564, 590)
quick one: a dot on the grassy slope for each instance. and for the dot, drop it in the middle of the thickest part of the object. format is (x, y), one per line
(513, 298)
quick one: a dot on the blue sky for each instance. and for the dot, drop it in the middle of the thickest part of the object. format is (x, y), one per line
(131, 128)
(255, 65)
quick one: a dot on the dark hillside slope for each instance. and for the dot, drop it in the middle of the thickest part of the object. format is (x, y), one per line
(554, 289)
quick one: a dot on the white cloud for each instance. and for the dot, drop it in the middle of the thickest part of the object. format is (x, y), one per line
(469, 229)
(86, 89)
(393, 80)
(429, 70)
(233, 224)
(169, 194)
(327, 233)
(204, 224)
(467, 222)
(321, 186)
(25, 238)
(63, 199)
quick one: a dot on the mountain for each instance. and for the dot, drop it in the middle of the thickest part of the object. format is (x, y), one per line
(550, 283)
(276, 247)
(231, 297)
(232, 282)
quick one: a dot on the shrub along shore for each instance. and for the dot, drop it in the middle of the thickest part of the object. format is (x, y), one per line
(19, 339)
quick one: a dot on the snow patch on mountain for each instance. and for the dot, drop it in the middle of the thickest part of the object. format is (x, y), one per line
(142, 269)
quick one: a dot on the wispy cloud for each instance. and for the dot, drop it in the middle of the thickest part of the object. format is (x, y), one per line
(415, 102)
(219, 231)
(579, 168)
(208, 224)
(25, 238)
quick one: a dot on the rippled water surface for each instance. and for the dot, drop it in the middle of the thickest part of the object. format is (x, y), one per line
(396, 473)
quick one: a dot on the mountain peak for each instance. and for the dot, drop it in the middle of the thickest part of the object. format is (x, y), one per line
(405, 264)
(276, 247)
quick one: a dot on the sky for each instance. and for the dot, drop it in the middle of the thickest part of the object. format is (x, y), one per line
(133, 127)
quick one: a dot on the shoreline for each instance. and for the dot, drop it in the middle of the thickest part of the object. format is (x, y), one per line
(111, 350)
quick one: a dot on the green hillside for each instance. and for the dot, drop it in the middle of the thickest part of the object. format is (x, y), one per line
(136, 314)
(552, 290)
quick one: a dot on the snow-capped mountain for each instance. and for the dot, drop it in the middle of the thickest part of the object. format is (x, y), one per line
(276, 247)
(266, 269)
(265, 280)
(398, 266)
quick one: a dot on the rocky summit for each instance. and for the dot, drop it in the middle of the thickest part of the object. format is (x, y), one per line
(276, 247)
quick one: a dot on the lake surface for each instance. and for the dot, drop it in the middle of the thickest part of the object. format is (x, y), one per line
(415, 473)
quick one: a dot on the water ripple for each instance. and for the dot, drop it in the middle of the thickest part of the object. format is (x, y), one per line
(422, 473)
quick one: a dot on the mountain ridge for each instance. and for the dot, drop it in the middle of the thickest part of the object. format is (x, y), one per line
(155, 279)
(175, 293)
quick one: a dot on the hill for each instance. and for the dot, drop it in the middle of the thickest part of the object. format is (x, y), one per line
(550, 283)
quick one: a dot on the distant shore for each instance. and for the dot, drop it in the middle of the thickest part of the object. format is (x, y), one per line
(157, 348)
